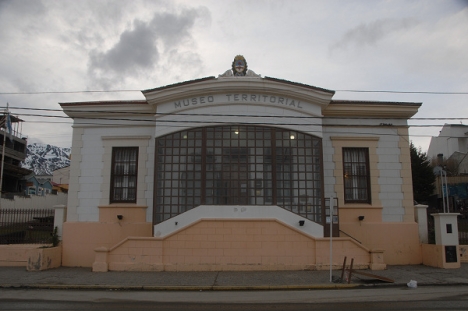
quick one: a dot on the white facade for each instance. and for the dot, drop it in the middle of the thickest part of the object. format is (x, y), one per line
(237, 172)
(231, 100)
(452, 138)
(61, 176)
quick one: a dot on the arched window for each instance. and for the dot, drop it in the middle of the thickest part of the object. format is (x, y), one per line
(238, 165)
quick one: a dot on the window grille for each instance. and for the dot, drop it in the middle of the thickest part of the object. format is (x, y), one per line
(124, 175)
(238, 165)
(356, 175)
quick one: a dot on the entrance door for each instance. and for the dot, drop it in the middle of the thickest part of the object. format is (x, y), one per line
(234, 177)
(235, 184)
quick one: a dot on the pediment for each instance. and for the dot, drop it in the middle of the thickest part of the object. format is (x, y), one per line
(235, 90)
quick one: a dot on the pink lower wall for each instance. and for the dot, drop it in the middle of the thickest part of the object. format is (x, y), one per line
(44, 258)
(463, 252)
(15, 255)
(232, 245)
(400, 241)
(79, 239)
(238, 245)
(434, 256)
(235, 244)
(221, 244)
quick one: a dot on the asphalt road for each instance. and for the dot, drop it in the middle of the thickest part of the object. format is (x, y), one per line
(388, 298)
(138, 306)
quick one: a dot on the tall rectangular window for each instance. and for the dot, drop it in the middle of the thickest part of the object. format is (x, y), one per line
(124, 175)
(356, 175)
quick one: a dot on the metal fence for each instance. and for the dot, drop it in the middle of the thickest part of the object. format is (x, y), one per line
(26, 226)
(462, 231)
(430, 225)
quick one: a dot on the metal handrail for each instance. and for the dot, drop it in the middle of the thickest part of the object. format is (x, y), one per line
(351, 237)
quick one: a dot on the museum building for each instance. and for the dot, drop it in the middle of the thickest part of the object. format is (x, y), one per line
(239, 172)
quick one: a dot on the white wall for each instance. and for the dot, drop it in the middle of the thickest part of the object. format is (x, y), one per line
(91, 151)
(274, 117)
(390, 181)
(237, 212)
(389, 164)
(95, 166)
(61, 176)
(42, 202)
(451, 138)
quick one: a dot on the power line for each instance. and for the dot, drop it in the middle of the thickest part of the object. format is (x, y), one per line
(135, 90)
(228, 115)
(405, 92)
(66, 92)
(180, 123)
(230, 121)
(152, 120)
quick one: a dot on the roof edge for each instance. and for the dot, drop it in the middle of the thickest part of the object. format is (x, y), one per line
(371, 102)
(104, 102)
(299, 84)
(178, 84)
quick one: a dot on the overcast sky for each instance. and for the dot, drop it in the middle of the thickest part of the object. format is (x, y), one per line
(66, 46)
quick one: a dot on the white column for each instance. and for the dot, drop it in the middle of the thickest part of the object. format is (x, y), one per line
(420, 216)
(446, 228)
(60, 217)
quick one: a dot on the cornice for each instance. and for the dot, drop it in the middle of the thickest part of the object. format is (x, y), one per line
(108, 109)
(371, 109)
(133, 137)
(355, 138)
(239, 85)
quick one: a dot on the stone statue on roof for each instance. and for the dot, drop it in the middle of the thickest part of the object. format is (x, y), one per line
(239, 69)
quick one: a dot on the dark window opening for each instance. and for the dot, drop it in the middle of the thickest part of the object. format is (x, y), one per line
(356, 177)
(124, 175)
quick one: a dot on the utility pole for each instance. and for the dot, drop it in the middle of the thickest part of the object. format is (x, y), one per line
(6, 126)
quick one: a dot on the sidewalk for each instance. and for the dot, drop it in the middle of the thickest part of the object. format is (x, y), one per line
(84, 278)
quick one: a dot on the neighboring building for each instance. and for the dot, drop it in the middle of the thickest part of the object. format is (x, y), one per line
(452, 138)
(47, 177)
(449, 150)
(45, 186)
(60, 179)
(56, 188)
(14, 147)
(235, 173)
(33, 185)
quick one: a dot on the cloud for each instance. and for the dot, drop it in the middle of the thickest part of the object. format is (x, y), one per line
(371, 33)
(135, 50)
(141, 49)
(27, 8)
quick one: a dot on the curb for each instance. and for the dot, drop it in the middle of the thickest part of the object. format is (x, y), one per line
(181, 288)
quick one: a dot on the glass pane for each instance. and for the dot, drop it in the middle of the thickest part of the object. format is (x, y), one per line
(124, 174)
(238, 165)
(355, 174)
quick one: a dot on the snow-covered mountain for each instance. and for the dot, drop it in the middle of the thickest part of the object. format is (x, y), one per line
(44, 159)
